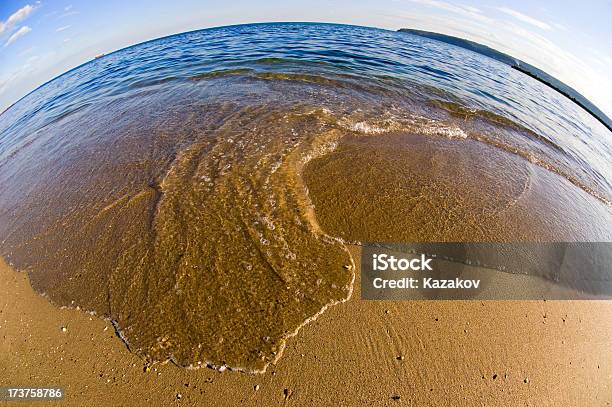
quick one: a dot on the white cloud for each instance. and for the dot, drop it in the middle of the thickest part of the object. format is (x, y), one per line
(17, 34)
(67, 8)
(18, 74)
(464, 10)
(16, 17)
(60, 29)
(68, 14)
(524, 18)
(471, 8)
(4, 82)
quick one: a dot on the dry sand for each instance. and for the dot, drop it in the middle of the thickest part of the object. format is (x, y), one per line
(358, 353)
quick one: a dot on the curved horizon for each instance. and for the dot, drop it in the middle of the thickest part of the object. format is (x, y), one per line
(44, 41)
(605, 120)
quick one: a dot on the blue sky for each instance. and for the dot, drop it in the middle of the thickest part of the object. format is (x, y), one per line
(570, 40)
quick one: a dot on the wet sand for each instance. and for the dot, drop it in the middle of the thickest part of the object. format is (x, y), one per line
(402, 187)
(204, 210)
(358, 353)
(209, 233)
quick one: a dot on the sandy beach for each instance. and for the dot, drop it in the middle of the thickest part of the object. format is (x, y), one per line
(208, 193)
(378, 353)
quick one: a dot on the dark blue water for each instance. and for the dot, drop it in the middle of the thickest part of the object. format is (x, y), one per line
(417, 68)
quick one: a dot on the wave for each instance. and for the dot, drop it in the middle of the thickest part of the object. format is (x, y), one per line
(176, 205)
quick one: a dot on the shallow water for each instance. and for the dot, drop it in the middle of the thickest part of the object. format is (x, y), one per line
(198, 189)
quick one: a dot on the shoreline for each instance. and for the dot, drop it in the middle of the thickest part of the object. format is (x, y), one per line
(424, 352)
